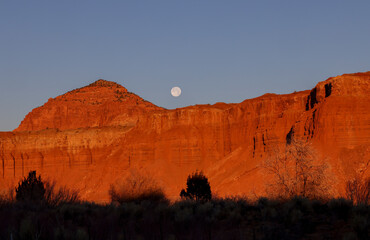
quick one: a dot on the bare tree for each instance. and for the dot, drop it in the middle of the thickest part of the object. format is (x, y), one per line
(136, 188)
(296, 171)
(358, 190)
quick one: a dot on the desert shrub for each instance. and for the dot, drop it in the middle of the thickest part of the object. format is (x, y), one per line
(27, 229)
(81, 234)
(303, 204)
(136, 188)
(184, 213)
(197, 188)
(55, 197)
(361, 225)
(340, 207)
(31, 189)
(222, 218)
(349, 236)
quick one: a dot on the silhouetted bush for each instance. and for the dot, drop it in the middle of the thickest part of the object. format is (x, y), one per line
(197, 188)
(55, 197)
(222, 218)
(359, 220)
(31, 189)
(340, 207)
(64, 217)
(136, 188)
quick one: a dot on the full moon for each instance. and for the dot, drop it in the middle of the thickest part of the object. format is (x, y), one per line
(176, 91)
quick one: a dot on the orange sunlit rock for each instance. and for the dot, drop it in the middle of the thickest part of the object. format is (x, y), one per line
(91, 137)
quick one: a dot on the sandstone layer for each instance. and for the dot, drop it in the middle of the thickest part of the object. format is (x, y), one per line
(91, 137)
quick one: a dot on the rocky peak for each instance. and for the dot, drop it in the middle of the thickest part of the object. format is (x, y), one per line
(104, 83)
(101, 103)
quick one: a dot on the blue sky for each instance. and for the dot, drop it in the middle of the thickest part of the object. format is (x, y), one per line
(216, 51)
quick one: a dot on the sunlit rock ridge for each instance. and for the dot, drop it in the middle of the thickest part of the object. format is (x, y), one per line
(102, 103)
(91, 137)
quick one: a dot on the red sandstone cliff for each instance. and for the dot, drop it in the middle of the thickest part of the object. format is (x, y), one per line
(101, 103)
(90, 137)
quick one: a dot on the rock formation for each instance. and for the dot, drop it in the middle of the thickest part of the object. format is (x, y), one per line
(91, 137)
(102, 103)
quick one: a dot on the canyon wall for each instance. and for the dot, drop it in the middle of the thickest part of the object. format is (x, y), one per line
(91, 137)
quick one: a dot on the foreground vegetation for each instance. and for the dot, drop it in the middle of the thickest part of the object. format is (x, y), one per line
(140, 210)
(231, 218)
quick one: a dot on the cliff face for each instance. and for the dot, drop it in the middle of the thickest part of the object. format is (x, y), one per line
(337, 120)
(90, 137)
